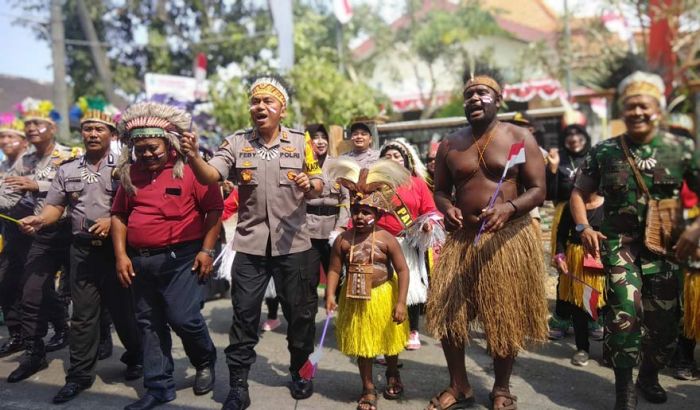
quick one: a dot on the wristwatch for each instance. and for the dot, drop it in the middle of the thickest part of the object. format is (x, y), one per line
(209, 252)
(582, 227)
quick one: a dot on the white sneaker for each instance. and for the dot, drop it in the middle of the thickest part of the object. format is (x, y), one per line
(413, 341)
(580, 358)
(271, 324)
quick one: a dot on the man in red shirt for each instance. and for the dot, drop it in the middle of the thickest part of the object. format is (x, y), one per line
(164, 227)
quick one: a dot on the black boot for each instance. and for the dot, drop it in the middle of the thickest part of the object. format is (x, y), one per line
(33, 360)
(14, 344)
(648, 383)
(238, 397)
(104, 350)
(625, 396)
(58, 341)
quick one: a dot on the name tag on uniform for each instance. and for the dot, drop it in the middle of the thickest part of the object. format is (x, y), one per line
(173, 191)
(290, 155)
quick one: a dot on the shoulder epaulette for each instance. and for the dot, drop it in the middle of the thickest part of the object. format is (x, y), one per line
(71, 159)
(293, 131)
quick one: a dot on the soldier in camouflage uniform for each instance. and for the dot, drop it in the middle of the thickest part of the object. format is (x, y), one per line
(642, 287)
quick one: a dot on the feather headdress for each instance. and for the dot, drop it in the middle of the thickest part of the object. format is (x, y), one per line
(151, 120)
(373, 186)
(33, 109)
(411, 157)
(10, 123)
(96, 109)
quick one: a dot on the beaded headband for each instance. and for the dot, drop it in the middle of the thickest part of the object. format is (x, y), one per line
(147, 127)
(641, 83)
(483, 80)
(98, 116)
(269, 86)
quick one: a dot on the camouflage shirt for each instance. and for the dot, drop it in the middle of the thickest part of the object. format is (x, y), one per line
(666, 161)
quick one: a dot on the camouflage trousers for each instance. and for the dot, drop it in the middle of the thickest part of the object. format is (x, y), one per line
(643, 309)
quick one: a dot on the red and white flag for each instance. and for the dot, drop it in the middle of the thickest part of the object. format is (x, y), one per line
(342, 10)
(515, 156)
(590, 301)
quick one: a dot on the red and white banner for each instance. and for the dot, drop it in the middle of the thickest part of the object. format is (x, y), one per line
(546, 89)
(342, 10)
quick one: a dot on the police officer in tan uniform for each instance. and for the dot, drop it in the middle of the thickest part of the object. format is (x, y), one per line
(276, 172)
(49, 249)
(86, 187)
(13, 143)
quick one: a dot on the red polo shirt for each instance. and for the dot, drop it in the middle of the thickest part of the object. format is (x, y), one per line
(165, 210)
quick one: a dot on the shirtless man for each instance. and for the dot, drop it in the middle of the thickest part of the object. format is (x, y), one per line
(491, 281)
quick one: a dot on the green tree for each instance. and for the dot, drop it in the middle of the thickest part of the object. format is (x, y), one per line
(439, 37)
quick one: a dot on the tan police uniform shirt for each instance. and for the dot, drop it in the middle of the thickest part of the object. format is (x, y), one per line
(86, 191)
(364, 158)
(9, 197)
(271, 207)
(43, 171)
(334, 195)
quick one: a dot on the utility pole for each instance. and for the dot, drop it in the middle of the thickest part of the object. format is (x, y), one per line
(98, 55)
(58, 54)
(567, 45)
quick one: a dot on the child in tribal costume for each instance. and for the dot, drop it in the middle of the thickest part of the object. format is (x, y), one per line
(372, 312)
(415, 223)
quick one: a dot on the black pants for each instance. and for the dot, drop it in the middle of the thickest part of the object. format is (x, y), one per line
(168, 293)
(12, 260)
(94, 284)
(322, 248)
(580, 320)
(40, 302)
(295, 281)
(414, 316)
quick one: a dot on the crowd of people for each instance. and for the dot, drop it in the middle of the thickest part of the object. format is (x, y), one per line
(134, 233)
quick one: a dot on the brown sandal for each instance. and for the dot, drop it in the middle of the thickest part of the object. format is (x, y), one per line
(461, 401)
(393, 382)
(372, 403)
(501, 392)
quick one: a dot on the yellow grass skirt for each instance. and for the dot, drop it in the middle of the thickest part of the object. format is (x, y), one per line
(691, 305)
(556, 219)
(571, 290)
(365, 328)
(499, 283)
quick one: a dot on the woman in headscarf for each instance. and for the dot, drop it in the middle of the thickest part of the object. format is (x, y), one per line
(416, 224)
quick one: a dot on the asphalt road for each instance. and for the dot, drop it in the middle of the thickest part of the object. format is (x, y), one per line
(543, 377)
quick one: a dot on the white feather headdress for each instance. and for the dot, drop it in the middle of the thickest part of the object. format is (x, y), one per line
(151, 120)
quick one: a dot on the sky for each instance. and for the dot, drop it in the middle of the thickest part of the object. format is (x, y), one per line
(31, 57)
(25, 55)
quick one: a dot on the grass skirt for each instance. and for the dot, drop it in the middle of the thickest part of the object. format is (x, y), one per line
(418, 273)
(365, 328)
(691, 305)
(556, 218)
(498, 283)
(571, 290)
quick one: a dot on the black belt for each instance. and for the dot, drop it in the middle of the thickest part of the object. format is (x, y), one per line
(322, 210)
(169, 248)
(91, 242)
